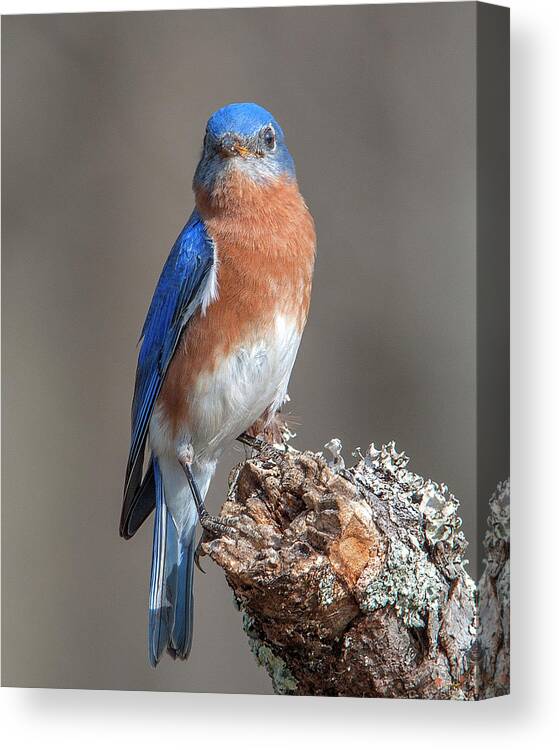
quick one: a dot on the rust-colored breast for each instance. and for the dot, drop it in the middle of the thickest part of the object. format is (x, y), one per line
(265, 242)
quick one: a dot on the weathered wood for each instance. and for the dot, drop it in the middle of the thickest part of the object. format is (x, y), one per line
(352, 581)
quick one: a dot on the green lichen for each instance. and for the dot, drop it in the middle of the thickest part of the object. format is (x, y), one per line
(283, 681)
(408, 582)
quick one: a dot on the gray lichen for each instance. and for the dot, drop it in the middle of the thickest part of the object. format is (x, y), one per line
(408, 582)
(385, 473)
(334, 447)
(443, 526)
(498, 527)
(326, 589)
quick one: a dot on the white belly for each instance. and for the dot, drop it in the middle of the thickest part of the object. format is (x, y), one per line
(226, 401)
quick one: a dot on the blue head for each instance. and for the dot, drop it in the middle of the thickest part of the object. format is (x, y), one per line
(243, 138)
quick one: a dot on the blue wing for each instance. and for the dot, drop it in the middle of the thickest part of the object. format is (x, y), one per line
(177, 296)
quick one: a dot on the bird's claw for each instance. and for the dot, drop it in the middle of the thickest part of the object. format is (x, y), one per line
(199, 552)
(274, 451)
(270, 451)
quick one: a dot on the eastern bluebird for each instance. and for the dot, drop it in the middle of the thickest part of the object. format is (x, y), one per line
(217, 347)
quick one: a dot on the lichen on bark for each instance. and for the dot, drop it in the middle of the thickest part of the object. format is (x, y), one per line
(352, 581)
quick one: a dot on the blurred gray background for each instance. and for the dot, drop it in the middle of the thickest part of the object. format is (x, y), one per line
(103, 117)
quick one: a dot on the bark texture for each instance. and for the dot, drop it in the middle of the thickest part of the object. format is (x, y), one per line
(351, 582)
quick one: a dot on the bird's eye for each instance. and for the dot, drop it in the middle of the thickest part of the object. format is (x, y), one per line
(269, 138)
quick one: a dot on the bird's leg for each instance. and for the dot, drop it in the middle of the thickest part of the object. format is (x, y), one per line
(212, 524)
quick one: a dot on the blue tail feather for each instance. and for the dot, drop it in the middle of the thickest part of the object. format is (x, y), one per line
(181, 636)
(171, 583)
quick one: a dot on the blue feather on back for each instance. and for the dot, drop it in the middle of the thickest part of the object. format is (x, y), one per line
(177, 297)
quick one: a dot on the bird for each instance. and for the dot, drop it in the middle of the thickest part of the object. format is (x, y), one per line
(216, 349)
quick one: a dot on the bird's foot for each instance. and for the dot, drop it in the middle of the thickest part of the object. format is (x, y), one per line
(262, 446)
(213, 527)
(273, 451)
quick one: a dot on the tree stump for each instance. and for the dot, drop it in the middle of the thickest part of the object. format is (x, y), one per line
(351, 582)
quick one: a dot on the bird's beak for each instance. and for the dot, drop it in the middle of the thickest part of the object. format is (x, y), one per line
(242, 150)
(230, 146)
